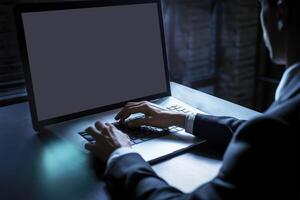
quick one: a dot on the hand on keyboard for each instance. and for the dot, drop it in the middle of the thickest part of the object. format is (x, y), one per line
(157, 122)
(106, 138)
(154, 115)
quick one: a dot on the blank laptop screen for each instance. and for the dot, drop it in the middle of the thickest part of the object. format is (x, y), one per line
(87, 58)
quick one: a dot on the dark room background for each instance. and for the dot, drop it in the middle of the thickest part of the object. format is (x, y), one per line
(213, 45)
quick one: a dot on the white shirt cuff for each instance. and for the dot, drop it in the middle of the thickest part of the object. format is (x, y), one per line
(117, 153)
(189, 123)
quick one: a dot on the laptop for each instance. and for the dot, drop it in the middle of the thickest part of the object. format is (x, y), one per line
(83, 61)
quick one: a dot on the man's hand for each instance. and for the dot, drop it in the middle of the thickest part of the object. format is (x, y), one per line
(108, 138)
(154, 115)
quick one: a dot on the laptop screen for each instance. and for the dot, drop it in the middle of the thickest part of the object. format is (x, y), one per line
(86, 58)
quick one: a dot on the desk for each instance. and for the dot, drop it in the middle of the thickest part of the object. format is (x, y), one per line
(36, 166)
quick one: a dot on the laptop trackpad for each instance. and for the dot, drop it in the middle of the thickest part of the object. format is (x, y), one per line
(166, 145)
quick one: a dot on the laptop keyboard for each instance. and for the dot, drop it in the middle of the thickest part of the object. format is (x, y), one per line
(142, 133)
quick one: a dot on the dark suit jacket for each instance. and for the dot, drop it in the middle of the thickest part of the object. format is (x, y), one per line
(261, 160)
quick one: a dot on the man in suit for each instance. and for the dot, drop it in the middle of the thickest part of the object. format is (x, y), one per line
(261, 160)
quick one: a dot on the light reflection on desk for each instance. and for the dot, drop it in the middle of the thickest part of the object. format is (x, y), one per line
(59, 164)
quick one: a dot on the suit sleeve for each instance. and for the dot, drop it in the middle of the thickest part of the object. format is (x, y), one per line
(217, 130)
(130, 177)
(247, 168)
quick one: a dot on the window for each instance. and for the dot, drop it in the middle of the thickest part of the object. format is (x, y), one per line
(11, 75)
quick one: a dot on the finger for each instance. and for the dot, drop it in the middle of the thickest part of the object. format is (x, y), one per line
(126, 107)
(105, 132)
(112, 128)
(89, 147)
(133, 110)
(109, 125)
(126, 112)
(99, 125)
(115, 135)
(93, 132)
(103, 129)
(140, 122)
(109, 134)
(117, 117)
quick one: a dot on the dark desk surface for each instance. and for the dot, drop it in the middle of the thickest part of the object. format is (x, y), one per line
(36, 166)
